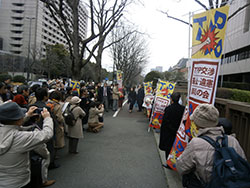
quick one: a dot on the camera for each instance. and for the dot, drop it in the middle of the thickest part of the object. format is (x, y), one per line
(38, 110)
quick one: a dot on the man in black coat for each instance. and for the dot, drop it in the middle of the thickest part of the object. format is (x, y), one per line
(140, 97)
(170, 123)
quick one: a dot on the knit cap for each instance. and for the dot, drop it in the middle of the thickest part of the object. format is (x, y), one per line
(205, 115)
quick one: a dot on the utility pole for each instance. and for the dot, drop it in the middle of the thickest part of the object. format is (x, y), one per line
(28, 62)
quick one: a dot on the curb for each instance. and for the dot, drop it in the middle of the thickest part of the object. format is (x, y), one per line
(173, 178)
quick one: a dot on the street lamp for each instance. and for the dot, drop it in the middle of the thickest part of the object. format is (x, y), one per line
(28, 62)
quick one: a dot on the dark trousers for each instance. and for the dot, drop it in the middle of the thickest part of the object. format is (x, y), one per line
(27, 186)
(131, 105)
(73, 142)
(140, 102)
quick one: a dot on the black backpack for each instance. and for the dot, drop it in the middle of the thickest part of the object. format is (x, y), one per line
(69, 116)
(230, 170)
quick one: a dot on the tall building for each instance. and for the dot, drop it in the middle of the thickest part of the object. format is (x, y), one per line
(27, 24)
(235, 66)
(157, 68)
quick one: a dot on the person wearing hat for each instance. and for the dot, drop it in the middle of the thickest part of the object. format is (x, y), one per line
(199, 153)
(15, 143)
(75, 132)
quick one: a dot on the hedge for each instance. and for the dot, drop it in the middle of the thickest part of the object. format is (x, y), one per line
(19, 78)
(4, 77)
(233, 94)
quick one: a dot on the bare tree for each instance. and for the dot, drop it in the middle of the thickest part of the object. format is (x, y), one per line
(106, 16)
(78, 45)
(129, 54)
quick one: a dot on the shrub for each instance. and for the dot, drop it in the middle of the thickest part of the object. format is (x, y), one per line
(19, 78)
(225, 93)
(240, 95)
(4, 77)
(237, 85)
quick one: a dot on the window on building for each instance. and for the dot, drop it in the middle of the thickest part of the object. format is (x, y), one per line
(1, 43)
(247, 18)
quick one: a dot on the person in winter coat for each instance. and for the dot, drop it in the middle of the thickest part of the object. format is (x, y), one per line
(3, 92)
(170, 123)
(56, 109)
(198, 155)
(115, 97)
(93, 121)
(140, 97)
(131, 98)
(75, 132)
(22, 96)
(15, 144)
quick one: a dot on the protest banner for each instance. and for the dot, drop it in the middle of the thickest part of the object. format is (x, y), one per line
(207, 46)
(119, 78)
(75, 86)
(149, 97)
(164, 91)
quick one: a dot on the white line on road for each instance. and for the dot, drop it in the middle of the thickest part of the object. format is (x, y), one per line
(118, 110)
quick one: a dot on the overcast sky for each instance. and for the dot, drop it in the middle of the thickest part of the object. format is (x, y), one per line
(168, 41)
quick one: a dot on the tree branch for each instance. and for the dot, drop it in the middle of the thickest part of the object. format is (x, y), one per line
(201, 4)
(177, 19)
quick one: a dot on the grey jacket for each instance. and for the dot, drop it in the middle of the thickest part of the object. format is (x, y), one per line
(199, 154)
(15, 145)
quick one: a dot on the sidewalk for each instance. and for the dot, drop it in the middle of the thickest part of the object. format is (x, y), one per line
(173, 178)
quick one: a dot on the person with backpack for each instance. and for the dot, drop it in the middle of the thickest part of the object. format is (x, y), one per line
(75, 131)
(198, 162)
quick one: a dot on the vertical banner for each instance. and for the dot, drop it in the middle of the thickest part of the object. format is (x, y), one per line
(149, 97)
(207, 46)
(75, 86)
(119, 78)
(164, 91)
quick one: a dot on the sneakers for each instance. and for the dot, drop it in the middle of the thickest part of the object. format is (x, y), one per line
(49, 183)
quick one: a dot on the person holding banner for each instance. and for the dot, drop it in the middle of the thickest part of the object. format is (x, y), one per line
(170, 123)
(199, 154)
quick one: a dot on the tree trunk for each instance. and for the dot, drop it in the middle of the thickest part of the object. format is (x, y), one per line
(99, 62)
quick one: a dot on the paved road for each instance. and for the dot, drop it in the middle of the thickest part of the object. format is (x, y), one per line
(122, 155)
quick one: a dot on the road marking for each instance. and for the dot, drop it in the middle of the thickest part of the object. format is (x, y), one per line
(118, 110)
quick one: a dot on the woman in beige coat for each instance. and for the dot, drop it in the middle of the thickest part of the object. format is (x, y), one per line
(199, 153)
(75, 132)
(93, 121)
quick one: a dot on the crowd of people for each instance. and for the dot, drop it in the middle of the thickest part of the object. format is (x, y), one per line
(45, 115)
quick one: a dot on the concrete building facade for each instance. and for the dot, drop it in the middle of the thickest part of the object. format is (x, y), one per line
(27, 24)
(235, 66)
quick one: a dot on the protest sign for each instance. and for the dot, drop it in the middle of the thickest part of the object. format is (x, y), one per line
(207, 46)
(164, 91)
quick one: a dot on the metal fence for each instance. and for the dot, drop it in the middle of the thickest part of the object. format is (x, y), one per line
(237, 112)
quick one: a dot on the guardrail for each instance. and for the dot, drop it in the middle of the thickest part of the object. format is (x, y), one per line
(237, 112)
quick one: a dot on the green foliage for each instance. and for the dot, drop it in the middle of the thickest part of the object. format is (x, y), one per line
(19, 78)
(233, 94)
(4, 77)
(225, 93)
(241, 95)
(236, 85)
(57, 62)
(153, 76)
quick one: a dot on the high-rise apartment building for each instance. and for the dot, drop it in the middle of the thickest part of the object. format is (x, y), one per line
(26, 25)
(236, 59)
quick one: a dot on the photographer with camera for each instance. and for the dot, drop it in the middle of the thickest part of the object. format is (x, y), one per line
(15, 143)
